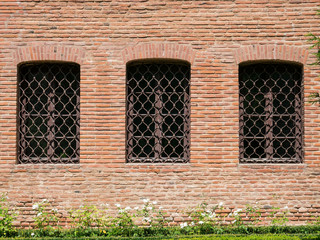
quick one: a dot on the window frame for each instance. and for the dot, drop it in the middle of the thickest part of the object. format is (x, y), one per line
(159, 135)
(50, 113)
(271, 113)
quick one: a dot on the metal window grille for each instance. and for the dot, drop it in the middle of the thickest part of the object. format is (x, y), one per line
(49, 114)
(158, 112)
(271, 123)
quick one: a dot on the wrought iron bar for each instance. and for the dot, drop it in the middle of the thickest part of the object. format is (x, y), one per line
(271, 126)
(49, 113)
(158, 112)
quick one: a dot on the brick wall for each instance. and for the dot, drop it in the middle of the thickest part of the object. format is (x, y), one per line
(214, 36)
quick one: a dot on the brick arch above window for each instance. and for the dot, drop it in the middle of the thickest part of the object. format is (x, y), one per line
(49, 53)
(271, 52)
(158, 51)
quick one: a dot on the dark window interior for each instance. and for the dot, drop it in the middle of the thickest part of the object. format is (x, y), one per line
(49, 113)
(158, 112)
(270, 113)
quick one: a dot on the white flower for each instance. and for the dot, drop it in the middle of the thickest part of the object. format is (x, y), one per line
(32, 234)
(118, 205)
(149, 208)
(39, 214)
(54, 210)
(146, 200)
(200, 222)
(220, 204)
(182, 225)
(286, 208)
(238, 210)
(44, 200)
(127, 208)
(146, 219)
(192, 223)
(35, 206)
(154, 202)
(136, 208)
(160, 208)
(203, 214)
(233, 221)
(208, 211)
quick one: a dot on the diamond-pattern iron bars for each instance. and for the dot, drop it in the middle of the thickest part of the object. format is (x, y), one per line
(49, 113)
(158, 112)
(271, 125)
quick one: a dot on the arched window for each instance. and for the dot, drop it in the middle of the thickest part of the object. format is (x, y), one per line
(158, 112)
(271, 121)
(49, 114)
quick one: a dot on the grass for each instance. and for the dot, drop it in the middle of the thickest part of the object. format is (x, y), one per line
(196, 237)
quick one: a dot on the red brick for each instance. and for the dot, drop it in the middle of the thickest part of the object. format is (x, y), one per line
(214, 37)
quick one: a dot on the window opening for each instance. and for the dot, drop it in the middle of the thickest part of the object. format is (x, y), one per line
(158, 112)
(271, 126)
(49, 114)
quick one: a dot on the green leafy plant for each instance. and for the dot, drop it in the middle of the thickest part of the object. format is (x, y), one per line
(315, 40)
(123, 223)
(151, 215)
(204, 214)
(124, 218)
(46, 216)
(279, 217)
(88, 216)
(149, 220)
(236, 214)
(315, 221)
(7, 216)
(253, 213)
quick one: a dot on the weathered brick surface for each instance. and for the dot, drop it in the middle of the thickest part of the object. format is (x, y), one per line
(214, 36)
